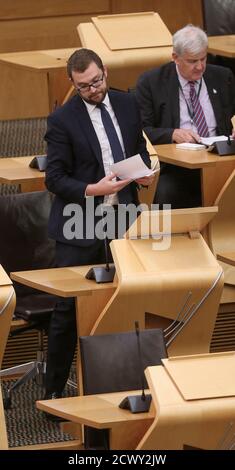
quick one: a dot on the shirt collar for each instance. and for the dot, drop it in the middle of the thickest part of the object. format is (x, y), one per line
(183, 81)
(91, 107)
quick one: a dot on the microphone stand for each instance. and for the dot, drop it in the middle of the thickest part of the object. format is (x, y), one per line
(101, 274)
(137, 403)
(225, 147)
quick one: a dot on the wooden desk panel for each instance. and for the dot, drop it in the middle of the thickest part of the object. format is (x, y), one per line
(222, 45)
(16, 170)
(41, 79)
(102, 412)
(203, 423)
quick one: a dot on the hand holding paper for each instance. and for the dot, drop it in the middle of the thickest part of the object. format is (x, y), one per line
(133, 168)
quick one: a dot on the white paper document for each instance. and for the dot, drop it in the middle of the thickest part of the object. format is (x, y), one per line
(210, 140)
(190, 146)
(132, 168)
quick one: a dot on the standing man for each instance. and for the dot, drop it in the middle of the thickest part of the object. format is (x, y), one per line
(180, 102)
(85, 136)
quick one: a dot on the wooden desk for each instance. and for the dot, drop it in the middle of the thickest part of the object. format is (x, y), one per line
(102, 412)
(32, 82)
(204, 418)
(152, 280)
(215, 170)
(124, 66)
(71, 282)
(207, 422)
(222, 45)
(16, 170)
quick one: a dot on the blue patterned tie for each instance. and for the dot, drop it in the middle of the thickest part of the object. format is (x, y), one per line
(198, 113)
(111, 133)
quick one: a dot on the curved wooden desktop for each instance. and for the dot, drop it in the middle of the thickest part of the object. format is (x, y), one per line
(214, 169)
(223, 45)
(16, 170)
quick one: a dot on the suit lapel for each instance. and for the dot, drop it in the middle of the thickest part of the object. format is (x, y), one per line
(85, 124)
(172, 88)
(213, 92)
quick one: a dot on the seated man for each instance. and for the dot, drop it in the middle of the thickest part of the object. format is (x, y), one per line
(181, 101)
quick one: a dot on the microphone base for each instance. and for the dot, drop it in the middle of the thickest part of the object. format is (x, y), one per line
(101, 274)
(222, 148)
(136, 403)
(39, 162)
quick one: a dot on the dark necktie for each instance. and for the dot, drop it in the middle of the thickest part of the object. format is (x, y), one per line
(198, 113)
(111, 134)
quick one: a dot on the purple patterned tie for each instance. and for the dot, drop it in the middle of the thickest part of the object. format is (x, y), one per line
(198, 113)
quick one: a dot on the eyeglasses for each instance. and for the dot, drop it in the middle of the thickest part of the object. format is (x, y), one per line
(95, 84)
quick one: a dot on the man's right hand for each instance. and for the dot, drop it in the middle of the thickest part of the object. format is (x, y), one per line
(185, 135)
(107, 185)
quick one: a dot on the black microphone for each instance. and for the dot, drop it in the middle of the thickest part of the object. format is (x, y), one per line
(102, 274)
(138, 403)
(225, 147)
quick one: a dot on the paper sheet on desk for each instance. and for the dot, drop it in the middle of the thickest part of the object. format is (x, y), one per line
(132, 168)
(210, 140)
(190, 146)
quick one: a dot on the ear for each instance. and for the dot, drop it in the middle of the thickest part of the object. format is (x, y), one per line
(105, 71)
(175, 57)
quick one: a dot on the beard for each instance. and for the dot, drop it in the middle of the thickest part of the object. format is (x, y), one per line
(96, 98)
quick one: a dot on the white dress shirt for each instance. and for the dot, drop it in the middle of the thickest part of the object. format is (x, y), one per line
(107, 156)
(185, 119)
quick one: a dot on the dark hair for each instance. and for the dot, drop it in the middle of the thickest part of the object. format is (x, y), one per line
(80, 60)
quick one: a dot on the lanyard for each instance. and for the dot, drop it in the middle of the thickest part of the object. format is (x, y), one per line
(188, 103)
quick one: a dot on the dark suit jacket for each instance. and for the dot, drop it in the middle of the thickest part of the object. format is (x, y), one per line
(75, 158)
(157, 93)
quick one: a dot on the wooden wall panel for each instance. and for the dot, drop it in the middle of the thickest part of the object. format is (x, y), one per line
(12, 9)
(49, 24)
(127, 6)
(178, 13)
(40, 33)
(175, 13)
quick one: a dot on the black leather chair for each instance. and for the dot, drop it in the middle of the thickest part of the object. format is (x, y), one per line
(112, 363)
(24, 245)
(219, 19)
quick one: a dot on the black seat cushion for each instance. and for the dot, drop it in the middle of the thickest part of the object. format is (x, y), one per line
(34, 307)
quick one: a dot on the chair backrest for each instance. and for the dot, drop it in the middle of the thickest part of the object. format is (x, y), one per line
(111, 362)
(7, 306)
(24, 243)
(219, 17)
